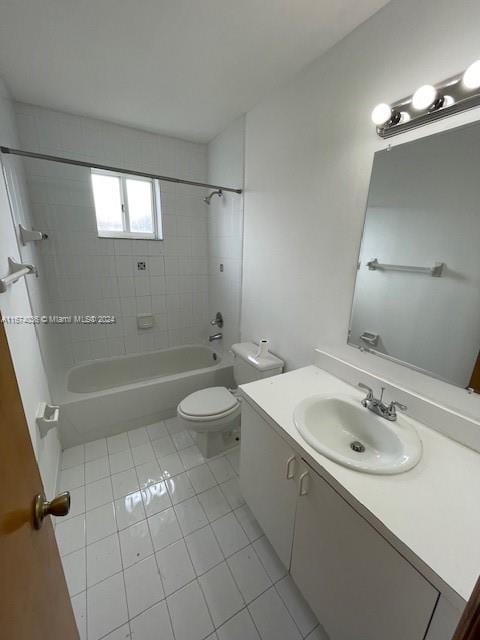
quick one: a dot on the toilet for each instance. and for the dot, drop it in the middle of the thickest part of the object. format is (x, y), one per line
(214, 413)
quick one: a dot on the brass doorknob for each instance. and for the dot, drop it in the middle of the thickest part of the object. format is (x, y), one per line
(42, 507)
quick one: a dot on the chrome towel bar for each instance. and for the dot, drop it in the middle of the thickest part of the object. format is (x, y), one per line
(436, 271)
(16, 270)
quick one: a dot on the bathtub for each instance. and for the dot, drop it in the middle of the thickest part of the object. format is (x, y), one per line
(104, 397)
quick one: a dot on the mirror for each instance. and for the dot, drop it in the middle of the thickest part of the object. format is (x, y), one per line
(417, 292)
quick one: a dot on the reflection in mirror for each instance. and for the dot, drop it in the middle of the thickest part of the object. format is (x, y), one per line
(417, 293)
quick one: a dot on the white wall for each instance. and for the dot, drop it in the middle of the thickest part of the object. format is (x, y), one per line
(225, 229)
(22, 338)
(309, 152)
(88, 275)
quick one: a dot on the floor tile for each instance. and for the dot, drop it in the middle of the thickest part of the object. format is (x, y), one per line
(299, 610)
(157, 430)
(163, 446)
(73, 456)
(74, 569)
(176, 569)
(214, 503)
(231, 491)
(230, 535)
(318, 634)
(135, 543)
(122, 633)
(96, 449)
(180, 488)
(164, 528)
(249, 523)
(204, 549)
(117, 443)
(189, 613)
(221, 469)
(156, 498)
(96, 469)
(100, 522)
(191, 457)
(171, 465)
(129, 509)
(121, 461)
(153, 624)
(190, 515)
(234, 459)
(240, 627)
(182, 440)
(77, 503)
(103, 559)
(125, 482)
(272, 618)
(148, 473)
(72, 478)
(174, 425)
(201, 478)
(143, 585)
(79, 605)
(70, 535)
(98, 493)
(221, 593)
(249, 573)
(143, 453)
(106, 607)
(271, 562)
(137, 437)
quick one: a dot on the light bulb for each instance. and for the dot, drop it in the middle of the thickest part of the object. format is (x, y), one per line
(471, 77)
(424, 97)
(381, 114)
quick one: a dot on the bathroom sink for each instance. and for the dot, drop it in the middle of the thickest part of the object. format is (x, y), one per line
(344, 431)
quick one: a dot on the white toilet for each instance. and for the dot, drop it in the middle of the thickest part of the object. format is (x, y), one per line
(214, 413)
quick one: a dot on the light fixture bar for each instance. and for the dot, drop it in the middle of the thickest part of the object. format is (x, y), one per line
(452, 96)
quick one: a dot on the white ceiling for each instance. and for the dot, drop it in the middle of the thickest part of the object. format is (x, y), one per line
(181, 67)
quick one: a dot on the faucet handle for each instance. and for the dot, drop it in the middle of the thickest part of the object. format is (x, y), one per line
(396, 405)
(369, 391)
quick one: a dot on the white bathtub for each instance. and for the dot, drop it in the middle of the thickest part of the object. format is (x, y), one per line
(105, 397)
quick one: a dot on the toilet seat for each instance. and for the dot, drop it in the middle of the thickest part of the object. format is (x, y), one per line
(209, 404)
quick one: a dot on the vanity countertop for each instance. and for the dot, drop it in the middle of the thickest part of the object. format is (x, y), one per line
(431, 511)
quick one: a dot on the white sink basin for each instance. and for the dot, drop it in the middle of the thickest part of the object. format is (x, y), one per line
(344, 431)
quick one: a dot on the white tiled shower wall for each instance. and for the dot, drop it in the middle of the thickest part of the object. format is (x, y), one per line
(87, 275)
(225, 225)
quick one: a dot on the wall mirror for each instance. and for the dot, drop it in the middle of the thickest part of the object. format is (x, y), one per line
(417, 292)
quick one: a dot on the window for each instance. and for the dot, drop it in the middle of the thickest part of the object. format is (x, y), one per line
(126, 206)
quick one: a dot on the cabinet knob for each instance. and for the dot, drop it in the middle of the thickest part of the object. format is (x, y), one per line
(303, 484)
(291, 465)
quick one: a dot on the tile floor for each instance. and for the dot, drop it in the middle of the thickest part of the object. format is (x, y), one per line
(159, 545)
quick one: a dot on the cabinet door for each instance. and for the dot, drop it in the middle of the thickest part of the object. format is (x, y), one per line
(357, 584)
(265, 462)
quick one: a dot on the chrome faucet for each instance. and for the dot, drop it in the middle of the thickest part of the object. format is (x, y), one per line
(387, 411)
(216, 336)
(217, 321)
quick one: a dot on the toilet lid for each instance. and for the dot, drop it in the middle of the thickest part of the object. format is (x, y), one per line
(208, 402)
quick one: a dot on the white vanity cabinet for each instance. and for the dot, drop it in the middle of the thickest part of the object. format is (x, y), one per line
(356, 583)
(268, 472)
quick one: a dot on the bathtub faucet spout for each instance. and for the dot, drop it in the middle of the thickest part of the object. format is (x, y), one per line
(216, 336)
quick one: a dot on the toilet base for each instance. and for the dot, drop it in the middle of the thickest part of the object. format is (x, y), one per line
(213, 443)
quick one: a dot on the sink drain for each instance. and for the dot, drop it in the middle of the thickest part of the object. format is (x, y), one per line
(357, 446)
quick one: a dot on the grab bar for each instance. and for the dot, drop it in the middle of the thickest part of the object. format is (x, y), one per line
(435, 271)
(16, 270)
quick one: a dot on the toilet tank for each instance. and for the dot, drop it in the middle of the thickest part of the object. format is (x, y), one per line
(247, 367)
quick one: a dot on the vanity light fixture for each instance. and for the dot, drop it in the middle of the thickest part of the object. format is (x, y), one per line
(429, 103)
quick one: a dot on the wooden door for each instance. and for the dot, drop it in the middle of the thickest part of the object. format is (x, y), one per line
(356, 583)
(475, 379)
(469, 625)
(34, 601)
(268, 469)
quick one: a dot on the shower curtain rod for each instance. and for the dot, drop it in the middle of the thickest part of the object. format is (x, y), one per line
(104, 167)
